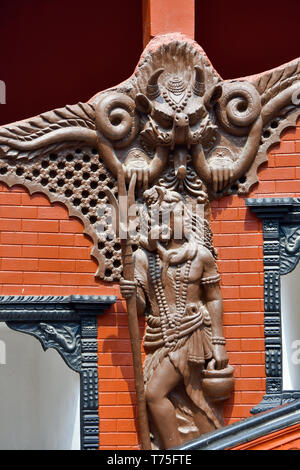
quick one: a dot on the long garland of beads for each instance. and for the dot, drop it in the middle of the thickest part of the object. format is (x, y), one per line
(164, 311)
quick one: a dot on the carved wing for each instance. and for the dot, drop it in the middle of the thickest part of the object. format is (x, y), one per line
(56, 154)
(251, 114)
(279, 90)
(49, 132)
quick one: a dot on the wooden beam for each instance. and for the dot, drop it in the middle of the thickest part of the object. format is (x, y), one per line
(168, 16)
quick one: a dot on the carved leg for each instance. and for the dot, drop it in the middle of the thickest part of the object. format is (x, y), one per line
(164, 379)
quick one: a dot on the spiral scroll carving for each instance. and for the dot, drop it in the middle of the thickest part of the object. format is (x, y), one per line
(238, 107)
(116, 119)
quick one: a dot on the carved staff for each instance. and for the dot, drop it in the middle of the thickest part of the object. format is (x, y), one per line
(122, 209)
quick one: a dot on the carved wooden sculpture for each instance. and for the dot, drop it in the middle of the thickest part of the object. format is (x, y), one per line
(191, 137)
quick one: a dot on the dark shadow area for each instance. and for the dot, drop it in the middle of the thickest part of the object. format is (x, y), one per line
(245, 38)
(64, 51)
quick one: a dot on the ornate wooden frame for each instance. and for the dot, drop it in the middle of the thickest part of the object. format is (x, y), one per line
(281, 231)
(69, 325)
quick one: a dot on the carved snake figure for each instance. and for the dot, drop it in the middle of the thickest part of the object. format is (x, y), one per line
(59, 338)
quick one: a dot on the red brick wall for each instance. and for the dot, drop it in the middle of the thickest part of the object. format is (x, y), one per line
(43, 251)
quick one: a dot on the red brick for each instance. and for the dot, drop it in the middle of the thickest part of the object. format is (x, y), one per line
(230, 292)
(126, 398)
(126, 425)
(41, 278)
(21, 238)
(252, 239)
(224, 214)
(86, 266)
(239, 252)
(251, 292)
(114, 385)
(289, 134)
(72, 252)
(19, 264)
(56, 265)
(55, 239)
(240, 279)
(233, 345)
(253, 344)
(238, 411)
(282, 186)
(285, 147)
(246, 357)
(225, 240)
(20, 289)
(34, 200)
(116, 412)
(287, 160)
(82, 240)
(40, 251)
(119, 438)
(119, 358)
(256, 384)
(228, 266)
(107, 398)
(18, 212)
(251, 398)
(71, 225)
(232, 319)
(40, 225)
(250, 266)
(108, 425)
(114, 345)
(277, 174)
(79, 279)
(11, 199)
(7, 277)
(53, 212)
(253, 371)
(10, 251)
(8, 224)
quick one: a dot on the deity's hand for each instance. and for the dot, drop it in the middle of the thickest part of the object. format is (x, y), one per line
(221, 176)
(142, 175)
(220, 356)
(128, 288)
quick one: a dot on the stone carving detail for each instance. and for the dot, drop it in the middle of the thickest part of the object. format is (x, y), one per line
(289, 248)
(174, 123)
(65, 338)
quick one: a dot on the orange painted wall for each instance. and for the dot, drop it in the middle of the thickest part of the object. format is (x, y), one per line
(44, 252)
(285, 439)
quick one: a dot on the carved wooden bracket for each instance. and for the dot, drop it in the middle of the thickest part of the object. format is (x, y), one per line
(281, 229)
(174, 122)
(69, 325)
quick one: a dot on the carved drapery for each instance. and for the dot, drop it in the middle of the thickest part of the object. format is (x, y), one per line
(69, 325)
(281, 228)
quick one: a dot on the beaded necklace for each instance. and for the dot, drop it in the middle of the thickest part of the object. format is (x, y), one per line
(166, 319)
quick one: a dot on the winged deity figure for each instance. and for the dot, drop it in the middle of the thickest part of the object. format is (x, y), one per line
(174, 122)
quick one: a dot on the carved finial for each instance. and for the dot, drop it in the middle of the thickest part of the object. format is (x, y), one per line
(198, 87)
(176, 86)
(152, 87)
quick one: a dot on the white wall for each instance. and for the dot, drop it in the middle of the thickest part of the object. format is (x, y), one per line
(39, 396)
(290, 317)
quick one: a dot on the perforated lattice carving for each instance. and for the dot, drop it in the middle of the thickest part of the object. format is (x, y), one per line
(77, 178)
